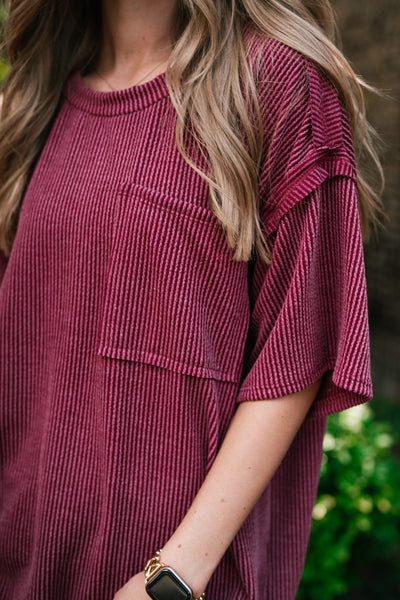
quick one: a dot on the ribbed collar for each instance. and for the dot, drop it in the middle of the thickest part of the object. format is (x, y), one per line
(111, 103)
(123, 101)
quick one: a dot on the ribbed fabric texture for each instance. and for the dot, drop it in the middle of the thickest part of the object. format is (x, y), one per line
(128, 335)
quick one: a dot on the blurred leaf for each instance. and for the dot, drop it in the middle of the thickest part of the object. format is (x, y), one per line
(356, 518)
(3, 69)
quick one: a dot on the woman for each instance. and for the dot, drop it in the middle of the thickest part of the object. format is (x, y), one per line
(183, 293)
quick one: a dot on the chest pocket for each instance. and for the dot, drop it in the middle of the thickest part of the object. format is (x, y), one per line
(174, 297)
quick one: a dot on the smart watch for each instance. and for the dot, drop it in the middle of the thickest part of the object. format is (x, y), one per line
(163, 583)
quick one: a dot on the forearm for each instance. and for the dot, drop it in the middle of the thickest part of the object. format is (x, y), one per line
(257, 440)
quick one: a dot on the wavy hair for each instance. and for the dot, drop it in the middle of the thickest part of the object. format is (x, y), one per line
(46, 40)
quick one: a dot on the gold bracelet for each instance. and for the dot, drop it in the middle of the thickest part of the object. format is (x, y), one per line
(154, 565)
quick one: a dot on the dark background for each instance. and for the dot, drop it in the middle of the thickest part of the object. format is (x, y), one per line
(370, 32)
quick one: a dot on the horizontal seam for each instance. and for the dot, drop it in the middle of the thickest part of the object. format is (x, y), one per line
(225, 374)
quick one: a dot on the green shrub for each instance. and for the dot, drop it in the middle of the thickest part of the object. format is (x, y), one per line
(356, 518)
(3, 61)
(3, 69)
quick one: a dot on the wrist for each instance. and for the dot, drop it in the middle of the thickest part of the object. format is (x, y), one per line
(189, 565)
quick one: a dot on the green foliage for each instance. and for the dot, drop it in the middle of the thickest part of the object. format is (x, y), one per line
(3, 61)
(3, 69)
(3, 13)
(356, 519)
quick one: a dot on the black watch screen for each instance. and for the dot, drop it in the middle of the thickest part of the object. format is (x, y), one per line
(167, 585)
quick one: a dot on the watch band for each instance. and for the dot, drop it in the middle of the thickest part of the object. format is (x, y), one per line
(154, 565)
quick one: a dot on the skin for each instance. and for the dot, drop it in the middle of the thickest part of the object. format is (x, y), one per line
(135, 37)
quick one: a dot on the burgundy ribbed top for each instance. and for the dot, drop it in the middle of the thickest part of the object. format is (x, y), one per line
(128, 335)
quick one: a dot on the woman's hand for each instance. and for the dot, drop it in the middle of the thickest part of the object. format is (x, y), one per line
(133, 589)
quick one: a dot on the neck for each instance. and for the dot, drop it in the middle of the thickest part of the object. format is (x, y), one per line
(136, 34)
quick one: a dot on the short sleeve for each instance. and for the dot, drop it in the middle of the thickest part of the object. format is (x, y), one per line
(309, 315)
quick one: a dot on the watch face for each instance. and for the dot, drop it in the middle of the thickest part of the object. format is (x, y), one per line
(167, 585)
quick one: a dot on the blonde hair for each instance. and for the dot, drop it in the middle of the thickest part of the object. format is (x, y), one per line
(47, 40)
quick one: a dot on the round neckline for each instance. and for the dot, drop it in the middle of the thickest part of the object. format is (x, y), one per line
(128, 100)
(111, 103)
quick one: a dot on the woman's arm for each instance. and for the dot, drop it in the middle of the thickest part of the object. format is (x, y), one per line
(256, 442)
